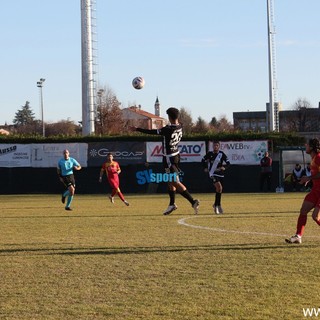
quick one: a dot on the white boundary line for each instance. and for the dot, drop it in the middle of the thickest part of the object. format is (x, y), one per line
(186, 224)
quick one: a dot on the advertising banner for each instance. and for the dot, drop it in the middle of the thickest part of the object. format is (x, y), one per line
(47, 155)
(15, 155)
(190, 151)
(243, 152)
(123, 152)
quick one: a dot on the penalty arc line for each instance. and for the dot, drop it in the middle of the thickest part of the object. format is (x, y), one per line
(186, 224)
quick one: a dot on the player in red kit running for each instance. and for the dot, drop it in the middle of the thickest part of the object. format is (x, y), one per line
(112, 170)
(312, 199)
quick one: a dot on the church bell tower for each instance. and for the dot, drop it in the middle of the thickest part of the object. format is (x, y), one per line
(157, 107)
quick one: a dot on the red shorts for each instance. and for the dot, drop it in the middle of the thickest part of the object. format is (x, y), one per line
(114, 181)
(314, 197)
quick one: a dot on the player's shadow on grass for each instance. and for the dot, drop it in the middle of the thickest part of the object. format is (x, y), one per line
(146, 250)
(133, 215)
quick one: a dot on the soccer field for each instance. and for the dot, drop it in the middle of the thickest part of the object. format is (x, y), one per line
(109, 261)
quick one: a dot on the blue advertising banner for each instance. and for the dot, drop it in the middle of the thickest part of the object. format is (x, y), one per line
(123, 152)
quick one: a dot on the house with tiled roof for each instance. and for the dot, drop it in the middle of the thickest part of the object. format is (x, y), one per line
(135, 116)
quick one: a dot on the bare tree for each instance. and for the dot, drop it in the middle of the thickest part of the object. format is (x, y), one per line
(201, 126)
(221, 124)
(301, 103)
(302, 122)
(224, 125)
(109, 118)
(63, 127)
(186, 120)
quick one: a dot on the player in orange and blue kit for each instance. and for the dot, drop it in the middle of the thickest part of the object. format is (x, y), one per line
(112, 170)
(312, 199)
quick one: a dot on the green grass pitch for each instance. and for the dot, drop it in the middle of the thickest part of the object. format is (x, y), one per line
(109, 261)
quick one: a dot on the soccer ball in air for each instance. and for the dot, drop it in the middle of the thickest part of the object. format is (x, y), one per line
(138, 83)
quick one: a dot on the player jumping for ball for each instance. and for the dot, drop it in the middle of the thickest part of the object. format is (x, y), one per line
(172, 134)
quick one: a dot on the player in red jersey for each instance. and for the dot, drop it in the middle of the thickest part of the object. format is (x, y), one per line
(312, 199)
(112, 170)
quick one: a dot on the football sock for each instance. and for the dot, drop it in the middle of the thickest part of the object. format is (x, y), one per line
(114, 191)
(302, 221)
(70, 198)
(66, 193)
(120, 195)
(218, 199)
(187, 195)
(172, 195)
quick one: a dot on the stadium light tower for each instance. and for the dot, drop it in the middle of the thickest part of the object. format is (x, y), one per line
(40, 85)
(273, 105)
(87, 63)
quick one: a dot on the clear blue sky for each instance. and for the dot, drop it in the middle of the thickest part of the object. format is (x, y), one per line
(209, 56)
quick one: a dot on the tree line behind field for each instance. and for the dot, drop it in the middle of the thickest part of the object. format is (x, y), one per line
(109, 121)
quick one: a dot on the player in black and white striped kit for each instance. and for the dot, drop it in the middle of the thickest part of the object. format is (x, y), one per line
(215, 163)
(172, 134)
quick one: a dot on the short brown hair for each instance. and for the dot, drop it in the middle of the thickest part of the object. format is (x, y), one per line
(314, 144)
(173, 113)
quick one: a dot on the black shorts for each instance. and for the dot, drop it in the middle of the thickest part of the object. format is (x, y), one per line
(69, 180)
(171, 164)
(216, 179)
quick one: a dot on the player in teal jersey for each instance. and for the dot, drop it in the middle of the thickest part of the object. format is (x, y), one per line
(65, 168)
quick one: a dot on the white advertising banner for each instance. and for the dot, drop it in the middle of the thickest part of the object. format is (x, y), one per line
(190, 151)
(15, 155)
(243, 152)
(47, 155)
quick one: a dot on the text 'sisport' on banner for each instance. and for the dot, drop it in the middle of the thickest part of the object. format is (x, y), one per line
(123, 152)
(190, 151)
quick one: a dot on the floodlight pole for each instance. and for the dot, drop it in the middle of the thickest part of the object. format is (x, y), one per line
(40, 85)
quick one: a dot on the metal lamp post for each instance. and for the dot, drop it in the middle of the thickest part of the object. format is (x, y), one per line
(40, 85)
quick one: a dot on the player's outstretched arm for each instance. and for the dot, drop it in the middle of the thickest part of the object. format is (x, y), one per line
(147, 131)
